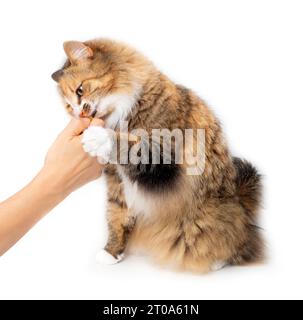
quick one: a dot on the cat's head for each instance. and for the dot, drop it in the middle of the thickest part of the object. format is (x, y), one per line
(100, 75)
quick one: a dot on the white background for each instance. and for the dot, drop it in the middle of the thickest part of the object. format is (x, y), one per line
(244, 57)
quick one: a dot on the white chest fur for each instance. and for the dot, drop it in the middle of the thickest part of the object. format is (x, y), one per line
(122, 104)
(138, 201)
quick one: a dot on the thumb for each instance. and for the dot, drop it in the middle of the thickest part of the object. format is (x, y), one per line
(76, 127)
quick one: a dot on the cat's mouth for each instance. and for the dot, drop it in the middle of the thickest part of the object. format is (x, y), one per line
(87, 111)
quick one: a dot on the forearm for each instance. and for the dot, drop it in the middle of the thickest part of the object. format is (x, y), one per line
(67, 167)
(22, 211)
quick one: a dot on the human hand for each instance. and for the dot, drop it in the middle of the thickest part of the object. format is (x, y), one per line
(67, 167)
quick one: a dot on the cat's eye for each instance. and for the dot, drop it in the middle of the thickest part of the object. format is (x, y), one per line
(79, 91)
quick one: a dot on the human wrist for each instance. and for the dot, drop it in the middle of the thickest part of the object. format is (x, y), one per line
(51, 182)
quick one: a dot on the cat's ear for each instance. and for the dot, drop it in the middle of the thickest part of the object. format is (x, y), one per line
(57, 75)
(77, 51)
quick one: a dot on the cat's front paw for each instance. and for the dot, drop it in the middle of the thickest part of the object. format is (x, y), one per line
(98, 142)
(105, 258)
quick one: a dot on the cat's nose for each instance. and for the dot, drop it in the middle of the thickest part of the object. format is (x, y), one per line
(85, 110)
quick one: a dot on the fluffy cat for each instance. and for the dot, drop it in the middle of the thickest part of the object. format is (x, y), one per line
(190, 222)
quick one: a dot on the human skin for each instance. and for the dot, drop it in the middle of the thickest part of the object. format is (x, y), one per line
(67, 167)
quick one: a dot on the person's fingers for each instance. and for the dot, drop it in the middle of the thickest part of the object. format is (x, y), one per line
(76, 126)
(97, 122)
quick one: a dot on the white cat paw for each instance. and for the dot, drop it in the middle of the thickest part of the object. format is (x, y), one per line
(105, 258)
(97, 142)
(218, 266)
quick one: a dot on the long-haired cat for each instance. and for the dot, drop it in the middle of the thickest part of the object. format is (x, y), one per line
(191, 222)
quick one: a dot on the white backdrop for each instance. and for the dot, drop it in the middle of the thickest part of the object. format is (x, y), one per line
(244, 57)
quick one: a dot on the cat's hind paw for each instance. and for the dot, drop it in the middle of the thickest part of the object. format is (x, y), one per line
(98, 142)
(218, 266)
(105, 258)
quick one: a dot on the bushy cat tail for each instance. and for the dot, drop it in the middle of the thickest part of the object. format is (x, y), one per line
(249, 187)
(249, 191)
